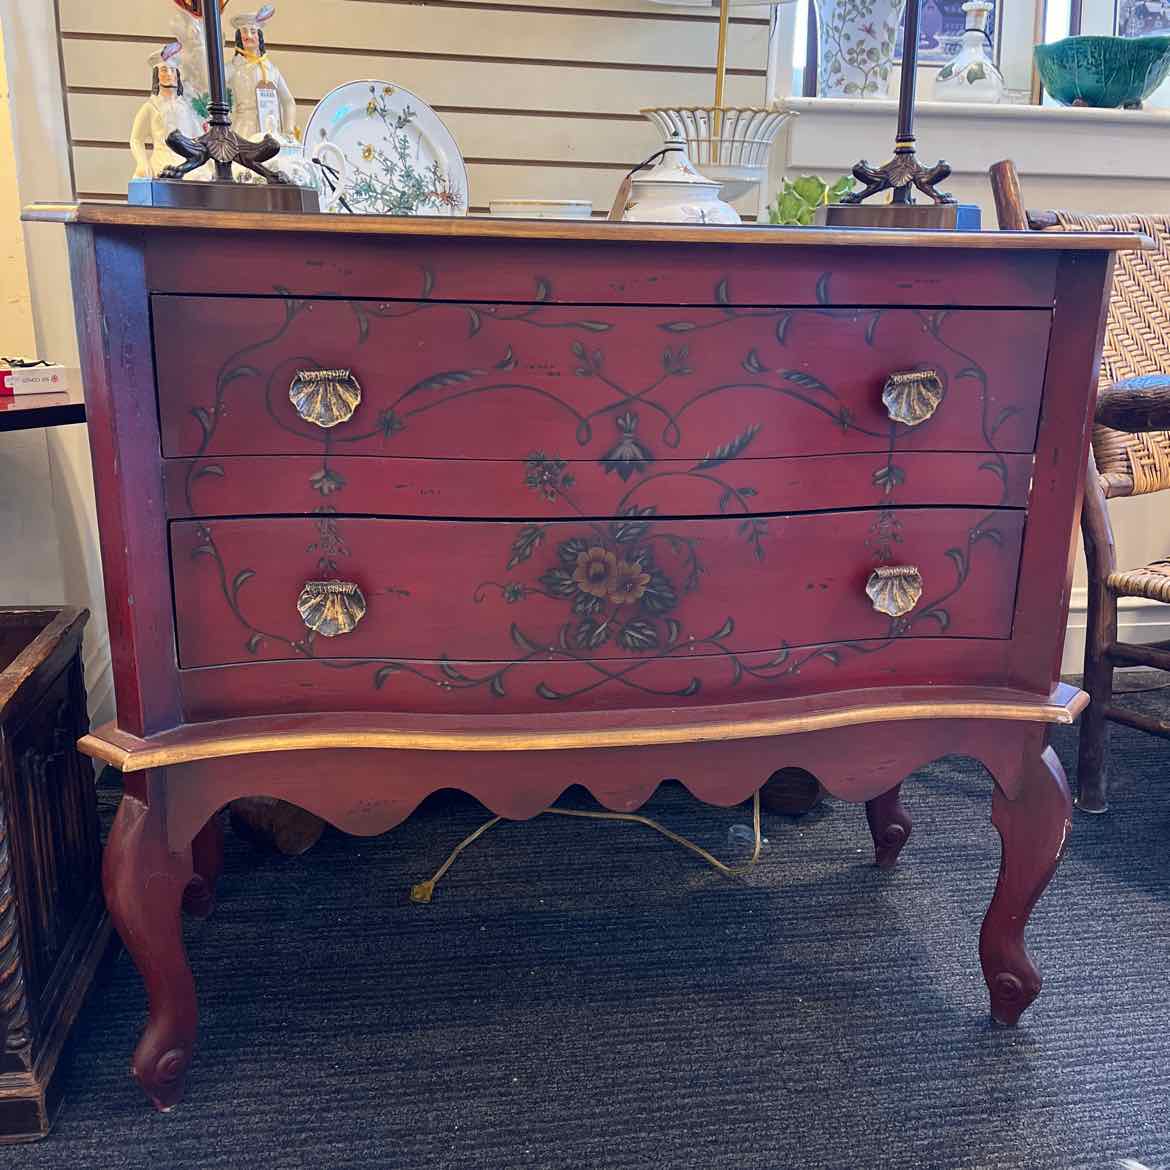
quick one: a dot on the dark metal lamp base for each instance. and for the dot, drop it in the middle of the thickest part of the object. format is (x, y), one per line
(209, 196)
(888, 215)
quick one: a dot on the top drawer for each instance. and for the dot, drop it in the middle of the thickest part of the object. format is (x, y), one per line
(616, 383)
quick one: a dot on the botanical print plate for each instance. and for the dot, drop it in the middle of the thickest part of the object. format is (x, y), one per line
(400, 158)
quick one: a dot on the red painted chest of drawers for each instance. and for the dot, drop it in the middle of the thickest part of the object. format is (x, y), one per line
(415, 504)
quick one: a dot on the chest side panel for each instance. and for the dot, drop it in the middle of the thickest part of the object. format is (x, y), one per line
(114, 335)
(1062, 444)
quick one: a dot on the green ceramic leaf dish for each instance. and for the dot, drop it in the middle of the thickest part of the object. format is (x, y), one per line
(1103, 71)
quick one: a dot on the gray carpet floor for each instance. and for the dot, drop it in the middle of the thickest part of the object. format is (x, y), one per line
(586, 995)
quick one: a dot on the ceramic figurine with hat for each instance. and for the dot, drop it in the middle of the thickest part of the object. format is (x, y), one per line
(187, 29)
(166, 110)
(261, 99)
(224, 148)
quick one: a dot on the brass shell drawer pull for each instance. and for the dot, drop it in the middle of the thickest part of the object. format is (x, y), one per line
(325, 397)
(910, 398)
(331, 608)
(894, 589)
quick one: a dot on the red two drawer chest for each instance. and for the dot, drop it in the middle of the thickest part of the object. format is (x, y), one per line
(389, 506)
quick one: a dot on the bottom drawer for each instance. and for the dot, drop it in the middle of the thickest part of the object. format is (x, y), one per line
(552, 682)
(611, 597)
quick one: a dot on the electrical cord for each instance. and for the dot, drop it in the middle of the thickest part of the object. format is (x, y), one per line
(424, 892)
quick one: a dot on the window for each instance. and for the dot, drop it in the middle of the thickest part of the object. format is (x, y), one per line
(1019, 24)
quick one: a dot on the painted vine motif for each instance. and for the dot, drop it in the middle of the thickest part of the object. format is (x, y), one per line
(611, 582)
(448, 388)
(392, 419)
(857, 45)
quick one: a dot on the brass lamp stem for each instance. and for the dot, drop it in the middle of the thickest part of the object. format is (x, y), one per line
(721, 63)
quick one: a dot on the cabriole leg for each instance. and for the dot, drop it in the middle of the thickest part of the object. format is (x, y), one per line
(207, 862)
(1033, 827)
(890, 826)
(144, 884)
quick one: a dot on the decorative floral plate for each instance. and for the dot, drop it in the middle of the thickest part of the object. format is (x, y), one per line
(400, 158)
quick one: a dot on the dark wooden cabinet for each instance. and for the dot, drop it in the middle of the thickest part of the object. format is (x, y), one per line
(394, 505)
(53, 925)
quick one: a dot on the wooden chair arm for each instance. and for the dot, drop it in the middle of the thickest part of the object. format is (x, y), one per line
(1136, 405)
(1010, 211)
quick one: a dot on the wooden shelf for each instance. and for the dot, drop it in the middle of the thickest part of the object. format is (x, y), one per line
(26, 411)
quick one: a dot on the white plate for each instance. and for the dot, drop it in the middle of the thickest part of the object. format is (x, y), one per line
(400, 158)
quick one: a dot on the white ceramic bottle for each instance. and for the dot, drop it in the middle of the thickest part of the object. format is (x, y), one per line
(971, 76)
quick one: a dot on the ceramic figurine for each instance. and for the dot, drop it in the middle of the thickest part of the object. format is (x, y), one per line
(260, 96)
(971, 76)
(672, 191)
(187, 29)
(167, 109)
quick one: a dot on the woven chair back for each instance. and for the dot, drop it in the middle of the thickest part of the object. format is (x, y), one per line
(1137, 341)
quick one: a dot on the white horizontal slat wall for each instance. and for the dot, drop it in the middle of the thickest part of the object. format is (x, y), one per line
(542, 97)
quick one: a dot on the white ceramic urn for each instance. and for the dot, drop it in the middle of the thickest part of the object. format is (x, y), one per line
(672, 191)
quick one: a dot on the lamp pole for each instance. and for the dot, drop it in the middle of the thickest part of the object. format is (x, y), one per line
(903, 174)
(904, 141)
(217, 105)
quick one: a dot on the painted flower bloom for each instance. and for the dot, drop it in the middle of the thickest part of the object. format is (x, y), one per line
(371, 107)
(596, 571)
(546, 475)
(367, 152)
(628, 584)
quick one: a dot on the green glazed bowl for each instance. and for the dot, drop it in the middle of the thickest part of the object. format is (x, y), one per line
(1103, 71)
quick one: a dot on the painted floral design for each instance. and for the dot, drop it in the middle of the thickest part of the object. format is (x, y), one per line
(595, 571)
(631, 411)
(547, 476)
(629, 457)
(612, 587)
(619, 583)
(857, 40)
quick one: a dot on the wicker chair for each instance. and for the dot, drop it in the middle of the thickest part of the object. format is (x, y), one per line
(1130, 456)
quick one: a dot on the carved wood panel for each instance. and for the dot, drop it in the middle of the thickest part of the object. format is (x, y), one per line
(50, 858)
